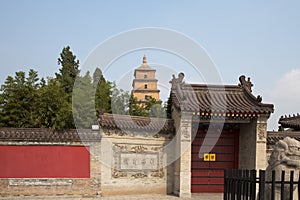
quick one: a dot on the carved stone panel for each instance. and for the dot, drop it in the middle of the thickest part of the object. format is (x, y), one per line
(262, 131)
(185, 130)
(137, 161)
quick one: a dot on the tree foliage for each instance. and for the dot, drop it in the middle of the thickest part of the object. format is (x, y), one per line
(168, 107)
(103, 92)
(83, 102)
(27, 101)
(55, 110)
(119, 100)
(69, 69)
(149, 108)
(19, 100)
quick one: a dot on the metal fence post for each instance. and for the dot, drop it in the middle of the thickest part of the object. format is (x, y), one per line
(282, 185)
(239, 184)
(291, 184)
(273, 185)
(299, 188)
(225, 184)
(252, 184)
(233, 185)
(244, 183)
(262, 182)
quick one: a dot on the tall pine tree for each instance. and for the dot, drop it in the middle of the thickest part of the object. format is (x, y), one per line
(55, 110)
(20, 102)
(102, 93)
(69, 71)
(83, 102)
(119, 100)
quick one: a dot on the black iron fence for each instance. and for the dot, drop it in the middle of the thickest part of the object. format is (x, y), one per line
(243, 185)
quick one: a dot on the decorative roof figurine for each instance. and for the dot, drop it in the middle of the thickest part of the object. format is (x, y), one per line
(176, 85)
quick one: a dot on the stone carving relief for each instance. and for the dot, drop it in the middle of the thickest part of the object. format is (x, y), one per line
(138, 149)
(158, 173)
(137, 161)
(118, 174)
(121, 147)
(262, 131)
(185, 126)
(185, 131)
(111, 132)
(156, 148)
(139, 175)
(131, 133)
(284, 157)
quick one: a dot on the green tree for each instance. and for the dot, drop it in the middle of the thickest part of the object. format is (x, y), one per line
(83, 102)
(149, 108)
(119, 100)
(60, 116)
(32, 86)
(168, 108)
(1, 101)
(1, 109)
(103, 92)
(6, 100)
(154, 108)
(137, 108)
(19, 102)
(69, 71)
(55, 110)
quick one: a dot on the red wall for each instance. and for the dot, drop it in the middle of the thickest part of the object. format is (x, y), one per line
(44, 162)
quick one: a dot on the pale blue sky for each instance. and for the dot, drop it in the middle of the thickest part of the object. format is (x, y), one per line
(260, 39)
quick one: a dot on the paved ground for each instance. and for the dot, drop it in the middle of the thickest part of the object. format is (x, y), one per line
(124, 197)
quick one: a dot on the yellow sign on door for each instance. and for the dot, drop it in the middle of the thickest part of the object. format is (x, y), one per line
(212, 157)
(206, 157)
(209, 157)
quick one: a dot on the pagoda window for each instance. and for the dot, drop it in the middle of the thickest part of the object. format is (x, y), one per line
(145, 86)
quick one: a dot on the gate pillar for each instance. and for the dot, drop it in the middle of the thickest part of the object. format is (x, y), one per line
(182, 182)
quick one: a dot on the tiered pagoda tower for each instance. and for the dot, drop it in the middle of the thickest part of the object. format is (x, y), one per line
(144, 82)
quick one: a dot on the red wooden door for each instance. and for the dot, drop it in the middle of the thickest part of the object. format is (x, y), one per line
(207, 176)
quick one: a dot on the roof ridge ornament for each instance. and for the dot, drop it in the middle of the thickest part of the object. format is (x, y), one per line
(290, 116)
(259, 98)
(177, 84)
(246, 83)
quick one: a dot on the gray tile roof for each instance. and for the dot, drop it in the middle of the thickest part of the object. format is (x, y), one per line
(275, 136)
(237, 99)
(48, 135)
(127, 122)
(292, 122)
